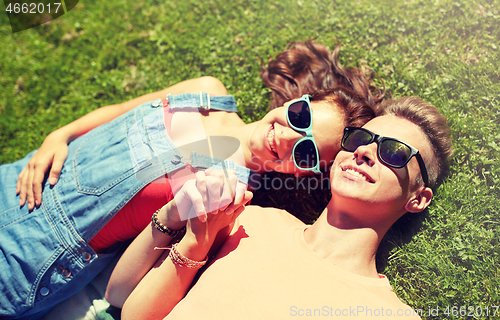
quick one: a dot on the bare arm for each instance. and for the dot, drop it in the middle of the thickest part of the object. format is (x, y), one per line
(167, 283)
(54, 150)
(139, 258)
(145, 279)
(105, 114)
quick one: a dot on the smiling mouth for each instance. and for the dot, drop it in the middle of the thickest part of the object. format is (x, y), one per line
(270, 139)
(357, 174)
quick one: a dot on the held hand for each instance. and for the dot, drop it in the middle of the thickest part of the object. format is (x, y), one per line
(224, 207)
(203, 233)
(211, 191)
(52, 153)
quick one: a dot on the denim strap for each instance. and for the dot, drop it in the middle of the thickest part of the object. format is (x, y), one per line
(201, 101)
(153, 152)
(202, 161)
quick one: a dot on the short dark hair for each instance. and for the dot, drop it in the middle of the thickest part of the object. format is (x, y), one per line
(428, 118)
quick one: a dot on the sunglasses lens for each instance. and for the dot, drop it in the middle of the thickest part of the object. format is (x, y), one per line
(355, 138)
(394, 153)
(305, 154)
(299, 114)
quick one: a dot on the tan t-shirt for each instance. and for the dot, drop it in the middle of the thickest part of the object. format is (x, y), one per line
(265, 270)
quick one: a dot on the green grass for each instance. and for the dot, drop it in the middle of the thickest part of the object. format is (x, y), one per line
(447, 52)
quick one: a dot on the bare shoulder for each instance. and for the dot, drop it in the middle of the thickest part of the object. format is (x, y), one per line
(208, 84)
(211, 85)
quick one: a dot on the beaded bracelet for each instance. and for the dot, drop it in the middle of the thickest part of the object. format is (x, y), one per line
(180, 260)
(163, 228)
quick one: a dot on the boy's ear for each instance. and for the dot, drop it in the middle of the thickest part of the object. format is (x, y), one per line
(420, 200)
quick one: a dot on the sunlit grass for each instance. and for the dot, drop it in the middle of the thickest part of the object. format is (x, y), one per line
(447, 52)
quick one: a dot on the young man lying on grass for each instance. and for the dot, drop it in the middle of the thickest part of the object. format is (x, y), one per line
(269, 265)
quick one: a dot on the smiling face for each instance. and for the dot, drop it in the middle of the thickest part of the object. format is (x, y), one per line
(272, 141)
(370, 185)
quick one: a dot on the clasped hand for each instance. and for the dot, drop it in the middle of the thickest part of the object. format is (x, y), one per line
(208, 203)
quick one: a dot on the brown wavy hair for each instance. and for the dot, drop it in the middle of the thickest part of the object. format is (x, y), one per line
(307, 67)
(354, 108)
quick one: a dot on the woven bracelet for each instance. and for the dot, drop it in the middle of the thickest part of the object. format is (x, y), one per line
(163, 228)
(180, 260)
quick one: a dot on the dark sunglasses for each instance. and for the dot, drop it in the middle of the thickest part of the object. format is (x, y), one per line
(390, 151)
(305, 151)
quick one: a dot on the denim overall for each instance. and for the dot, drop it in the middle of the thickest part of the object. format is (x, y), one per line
(45, 256)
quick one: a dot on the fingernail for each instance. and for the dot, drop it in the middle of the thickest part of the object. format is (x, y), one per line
(52, 180)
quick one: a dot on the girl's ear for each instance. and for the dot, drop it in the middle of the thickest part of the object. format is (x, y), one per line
(420, 200)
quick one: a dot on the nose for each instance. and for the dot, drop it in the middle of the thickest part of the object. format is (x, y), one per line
(289, 137)
(366, 153)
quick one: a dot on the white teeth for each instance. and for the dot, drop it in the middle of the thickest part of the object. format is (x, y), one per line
(355, 173)
(270, 139)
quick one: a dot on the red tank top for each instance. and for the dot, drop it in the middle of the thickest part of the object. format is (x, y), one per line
(136, 214)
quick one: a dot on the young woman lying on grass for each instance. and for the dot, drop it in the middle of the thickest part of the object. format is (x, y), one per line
(303, 68)
(135, 159)
(272, 266)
